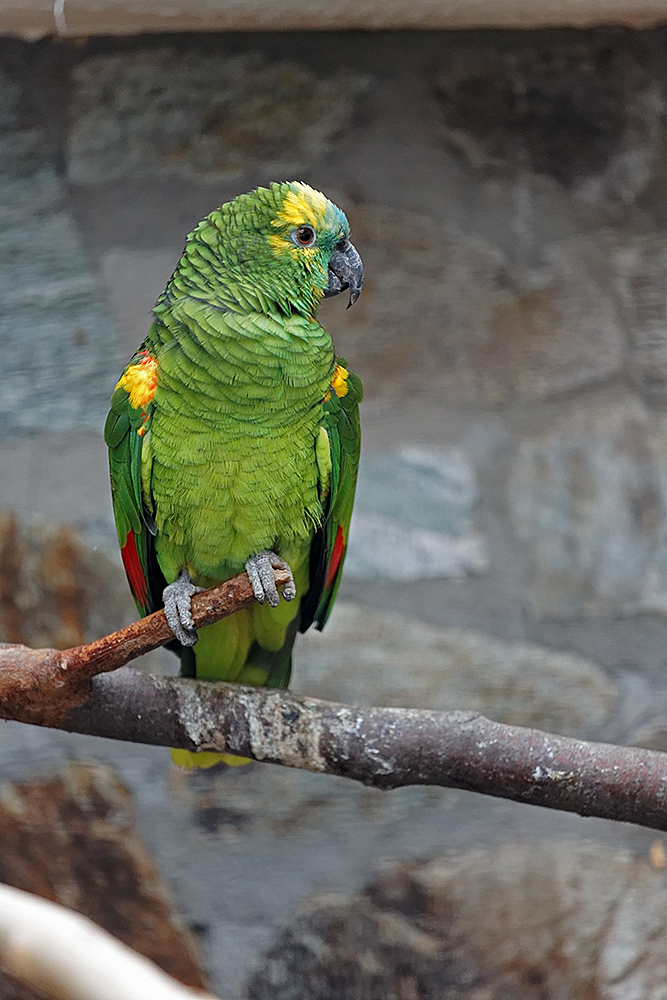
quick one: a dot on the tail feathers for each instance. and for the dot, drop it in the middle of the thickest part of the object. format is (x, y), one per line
(262, 668)
(206, 759)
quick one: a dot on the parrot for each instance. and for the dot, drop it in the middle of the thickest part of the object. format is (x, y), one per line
(234, 436)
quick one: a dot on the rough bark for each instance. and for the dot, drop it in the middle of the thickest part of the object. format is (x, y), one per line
(381, 747)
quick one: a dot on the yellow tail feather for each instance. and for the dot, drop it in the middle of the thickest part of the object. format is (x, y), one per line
(206, 758)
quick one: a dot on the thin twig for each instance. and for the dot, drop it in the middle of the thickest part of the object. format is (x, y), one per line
(63, 955)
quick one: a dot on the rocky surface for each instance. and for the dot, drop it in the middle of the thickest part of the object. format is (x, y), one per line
(54, 589)
(526, 333)
(73, 839)
(641, 268)
(366, 658)
(508, 550)
(414, 517)
(165, 112)
(587, 497)
(56, 333)
(583, 112)
(532, 923)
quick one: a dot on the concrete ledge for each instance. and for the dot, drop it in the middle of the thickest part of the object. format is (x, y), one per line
(33, 19)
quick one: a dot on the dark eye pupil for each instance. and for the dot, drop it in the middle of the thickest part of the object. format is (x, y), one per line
(305, 235)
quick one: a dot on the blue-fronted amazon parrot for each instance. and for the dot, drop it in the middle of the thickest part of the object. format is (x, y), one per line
(234, 434)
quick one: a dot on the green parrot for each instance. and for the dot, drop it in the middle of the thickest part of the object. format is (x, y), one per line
(234, 435)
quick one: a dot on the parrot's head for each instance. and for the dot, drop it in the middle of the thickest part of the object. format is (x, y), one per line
(285, 245)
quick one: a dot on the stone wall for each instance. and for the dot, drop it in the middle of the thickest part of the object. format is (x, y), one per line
(508, 194)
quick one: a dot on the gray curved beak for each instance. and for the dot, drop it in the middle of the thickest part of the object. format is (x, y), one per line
(345, 271)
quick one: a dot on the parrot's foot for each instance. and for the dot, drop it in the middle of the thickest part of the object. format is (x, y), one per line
(177, 598)
(260, 573)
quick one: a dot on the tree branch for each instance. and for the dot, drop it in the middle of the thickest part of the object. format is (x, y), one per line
(381, 747)
(63, 955)
(40, 685)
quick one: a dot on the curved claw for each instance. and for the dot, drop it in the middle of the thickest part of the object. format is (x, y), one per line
(260, 573)
(177, 599)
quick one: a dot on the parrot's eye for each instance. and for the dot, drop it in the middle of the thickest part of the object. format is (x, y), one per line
(304, 236)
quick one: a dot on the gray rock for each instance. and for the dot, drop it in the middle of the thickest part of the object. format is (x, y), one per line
(584, 111)
(73, 838)
(555, 920)
(381, 658)
(186, 114)
(133, 280)
(588, 497)
(455, 315)
(652, 735)
(640, 278)
(413, 517)
(60, 587)
(263, 812)
(55, 590)
(57, 338)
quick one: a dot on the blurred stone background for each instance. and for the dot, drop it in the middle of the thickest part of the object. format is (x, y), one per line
(508, 194)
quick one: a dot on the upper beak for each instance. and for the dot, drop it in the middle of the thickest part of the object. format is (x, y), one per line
(345, 271)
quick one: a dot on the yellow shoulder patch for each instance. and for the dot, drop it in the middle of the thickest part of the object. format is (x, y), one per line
(339, 381)
(139, 380)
